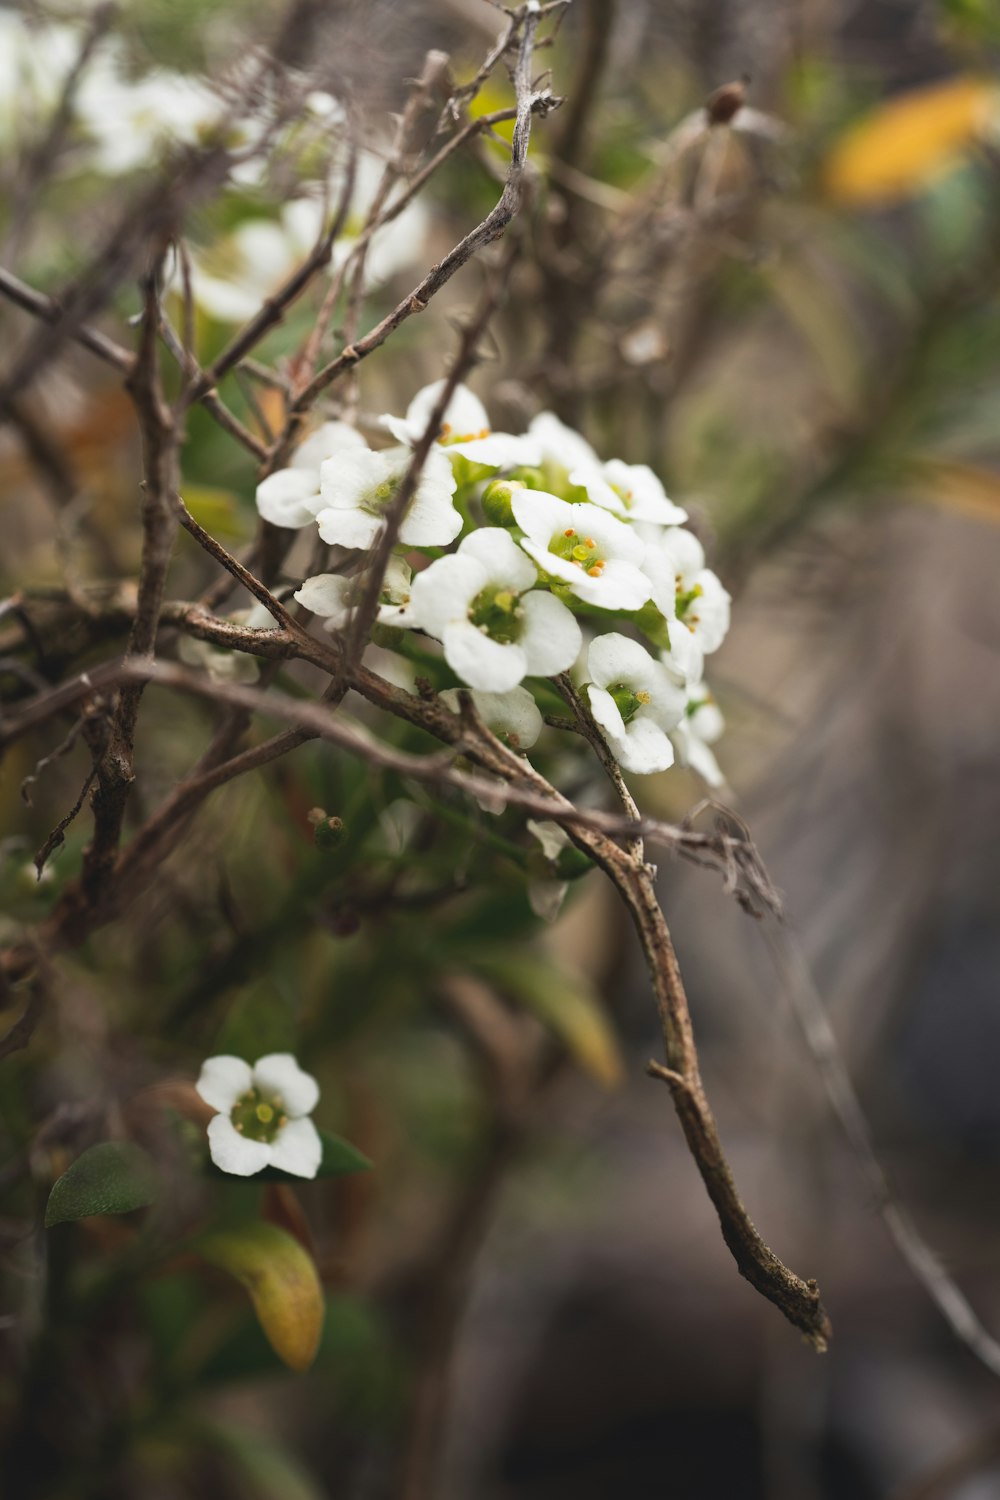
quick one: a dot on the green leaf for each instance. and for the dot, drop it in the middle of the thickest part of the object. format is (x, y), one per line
(339, 1158)
(283, 1284)
(114, 1177)
(565, 1003)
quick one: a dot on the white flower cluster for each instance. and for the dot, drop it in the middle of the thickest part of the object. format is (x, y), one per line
(123, 120)
(561, 563)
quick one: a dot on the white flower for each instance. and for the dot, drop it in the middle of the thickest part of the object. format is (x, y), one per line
(465, 429)
(291, 497)
(546, 895)
(562, 449)
(630, 490)
(700, 727)
(635, 703)
(513, 716)
(495, 627)
(584, 547)
(688, 595)
(358, 485)
(262, 1119)
(34, 63)
(334, 596)
(129, 121)
(225, 663)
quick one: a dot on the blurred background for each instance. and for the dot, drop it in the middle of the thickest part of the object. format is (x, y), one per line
(788, 304)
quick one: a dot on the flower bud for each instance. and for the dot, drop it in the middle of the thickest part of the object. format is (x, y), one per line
(328, 831)
(496, 501)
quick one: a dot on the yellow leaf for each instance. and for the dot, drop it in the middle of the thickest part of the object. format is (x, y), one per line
(214, 508)
(895, 151)
(959, 486)
(283, 1285)
(566, 1004)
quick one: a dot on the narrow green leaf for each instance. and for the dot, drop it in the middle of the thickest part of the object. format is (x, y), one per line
(283, 1284)
(114, 1177)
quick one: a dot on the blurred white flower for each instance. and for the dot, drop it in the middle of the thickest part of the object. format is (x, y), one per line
(562, 449)
(291, 497)
(263, 1115)
(129, 121)
(632, 491)
(687, 594)
(225, 663)
(513, 716)
(495, 626)
(634, 701)
(358, 486)
(547, 894)
(585, 547)
(334, 596)
(700, 727)
(465, 429)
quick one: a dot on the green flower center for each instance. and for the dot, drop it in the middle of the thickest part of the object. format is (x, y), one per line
(685, 599)
(582, 551)
(258, 1116)
(627, 701)
(380, 497)
(497, 612)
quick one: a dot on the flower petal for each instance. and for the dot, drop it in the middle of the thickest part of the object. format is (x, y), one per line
(297, 1148)
(222, 1080)
(541, 515)
(494, 666)
(289, 497)
(646, 749)
(606, 713)
(328, 595)
(442, 593)
(550, 637)
(328, 440)
(348, 528)
(232, 1152)
(620, 586)
(279, 1073)
(501, 557)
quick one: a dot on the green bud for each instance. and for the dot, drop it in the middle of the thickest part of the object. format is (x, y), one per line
(328, 831)
(389, 637)
(496, 501)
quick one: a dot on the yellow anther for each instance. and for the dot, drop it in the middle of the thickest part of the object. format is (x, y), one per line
(595, 571)
(590, 541)
(569, 532)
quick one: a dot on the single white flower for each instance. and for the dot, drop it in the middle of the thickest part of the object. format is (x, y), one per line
(514, 716)
(688, 595)
(358, 486)
(495, 626)
(334, 596)
(130, 121)
(547, 894)
(629, 490)
(700, 727)
(225, 663)
(597, 556)
(562, 449)
(465, 429)
(291, 497)
(634, 701)
(263, 1115)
